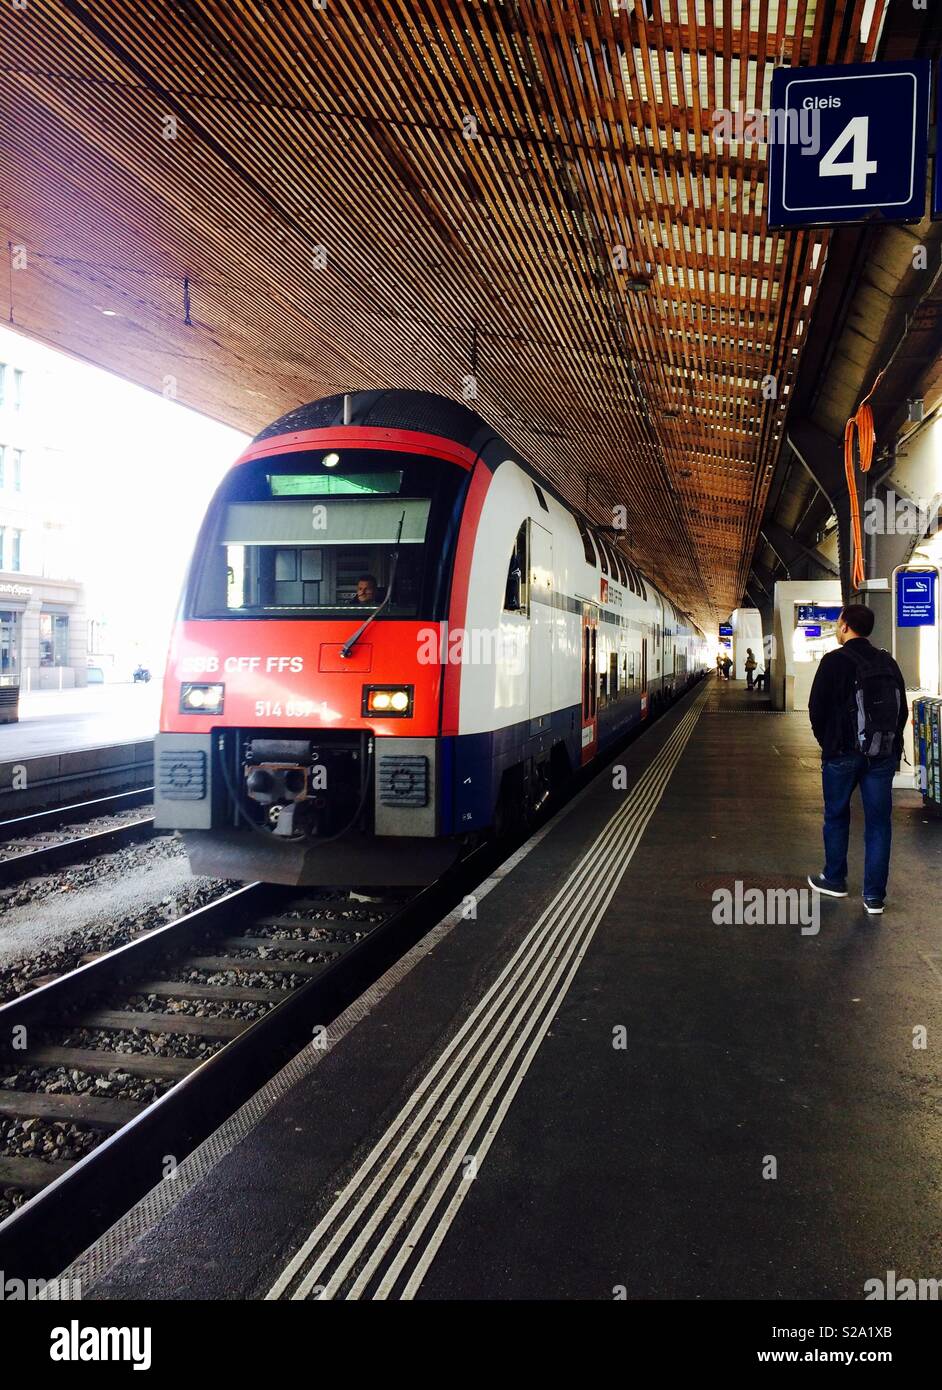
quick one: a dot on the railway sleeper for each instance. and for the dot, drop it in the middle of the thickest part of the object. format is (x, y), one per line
(179, 989)
(31, 1174)
(100, 1063)
(86, 1110)
(288, 946)
(260, 963)
(126, 1020)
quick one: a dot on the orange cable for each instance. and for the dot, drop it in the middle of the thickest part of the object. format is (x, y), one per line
(862, 422)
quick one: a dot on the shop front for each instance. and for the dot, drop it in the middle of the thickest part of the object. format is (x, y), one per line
(43, 637)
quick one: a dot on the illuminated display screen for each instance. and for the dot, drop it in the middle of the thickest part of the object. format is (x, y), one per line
(818, 612)
(333, 484)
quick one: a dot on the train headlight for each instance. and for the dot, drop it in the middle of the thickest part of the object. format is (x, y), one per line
(393, 701)
(201, 699)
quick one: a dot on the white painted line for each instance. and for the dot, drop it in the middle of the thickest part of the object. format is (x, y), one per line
(468, 1035)
(523, 1000)
(554, 998)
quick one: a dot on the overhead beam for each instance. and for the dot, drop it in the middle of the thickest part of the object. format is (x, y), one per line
(792, 552)
(764, 578)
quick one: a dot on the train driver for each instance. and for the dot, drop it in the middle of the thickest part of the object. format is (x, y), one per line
(367, 589)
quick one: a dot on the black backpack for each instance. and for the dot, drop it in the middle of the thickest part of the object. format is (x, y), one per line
(874, 705)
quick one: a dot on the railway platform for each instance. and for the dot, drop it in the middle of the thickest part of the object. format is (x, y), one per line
(67, 721)
(582, 1086)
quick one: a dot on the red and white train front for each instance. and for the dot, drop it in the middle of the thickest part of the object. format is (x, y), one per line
(320, 723)
(302, 703)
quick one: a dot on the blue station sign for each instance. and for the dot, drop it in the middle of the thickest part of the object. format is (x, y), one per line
(818, 612)
(915, 598)
(847, 142)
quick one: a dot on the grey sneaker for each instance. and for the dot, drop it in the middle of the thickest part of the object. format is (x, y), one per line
(822, 885)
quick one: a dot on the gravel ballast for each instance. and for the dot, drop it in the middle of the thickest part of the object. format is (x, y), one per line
(62, 1080)
(130, 1040)
(48, 925)
(246, 1009)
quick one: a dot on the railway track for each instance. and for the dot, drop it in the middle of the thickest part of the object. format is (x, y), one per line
(38, 822)
(183, 1025)
(143, 1052)
(30, 845)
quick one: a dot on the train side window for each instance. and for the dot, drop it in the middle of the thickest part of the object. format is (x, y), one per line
(587, 545)
(644, 592)
(540, 498)
(613, 676)
(603, 554)
(516, 591)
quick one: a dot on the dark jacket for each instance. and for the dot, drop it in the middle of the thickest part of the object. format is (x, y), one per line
(830, 701)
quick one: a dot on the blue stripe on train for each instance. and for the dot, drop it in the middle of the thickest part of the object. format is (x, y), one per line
(471, 765)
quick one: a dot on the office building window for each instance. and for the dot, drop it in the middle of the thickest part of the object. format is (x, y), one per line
(17, 388)
(53, 639)
(16, 557)
(9, 643)
(17, 469)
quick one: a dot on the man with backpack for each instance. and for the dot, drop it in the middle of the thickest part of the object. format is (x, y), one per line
(858, 712)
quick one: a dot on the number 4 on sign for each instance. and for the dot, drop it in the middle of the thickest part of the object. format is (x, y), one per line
(859, 166)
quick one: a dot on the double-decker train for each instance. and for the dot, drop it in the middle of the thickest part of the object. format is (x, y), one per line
(395, 637)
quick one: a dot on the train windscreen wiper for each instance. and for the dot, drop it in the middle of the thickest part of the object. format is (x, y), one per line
(348, 646)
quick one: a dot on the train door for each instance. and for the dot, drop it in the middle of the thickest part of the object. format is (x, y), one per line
(590, 683)
(644, 676)
(541, 627)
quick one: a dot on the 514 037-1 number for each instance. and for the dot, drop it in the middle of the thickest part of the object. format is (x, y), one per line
(292, 709)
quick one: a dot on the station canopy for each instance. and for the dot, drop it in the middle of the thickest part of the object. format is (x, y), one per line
(517, 202)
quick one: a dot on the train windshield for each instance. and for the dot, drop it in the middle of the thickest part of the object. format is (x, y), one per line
(315, 535)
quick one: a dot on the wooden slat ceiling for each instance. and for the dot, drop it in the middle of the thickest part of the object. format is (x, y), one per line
(339, 231)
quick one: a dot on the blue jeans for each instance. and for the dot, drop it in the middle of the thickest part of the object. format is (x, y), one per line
(839, 777)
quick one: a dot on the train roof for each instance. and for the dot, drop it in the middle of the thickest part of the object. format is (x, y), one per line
(403, 410)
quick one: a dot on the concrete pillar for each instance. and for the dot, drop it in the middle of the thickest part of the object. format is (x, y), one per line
(747, 632)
